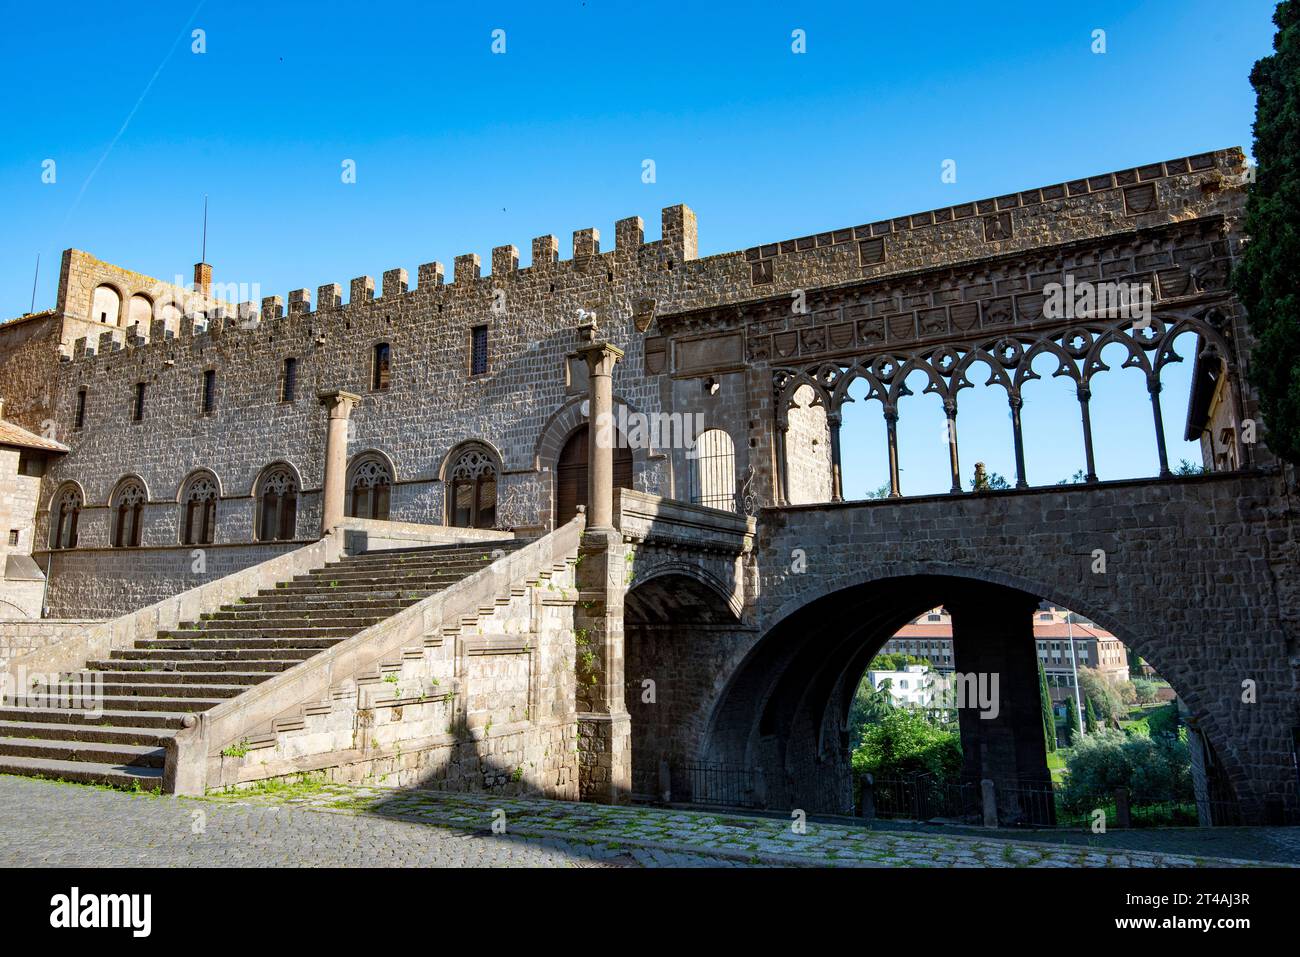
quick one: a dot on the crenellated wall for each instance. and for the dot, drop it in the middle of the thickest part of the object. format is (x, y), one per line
(699, 335)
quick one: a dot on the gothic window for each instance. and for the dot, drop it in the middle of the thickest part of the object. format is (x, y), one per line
(128, 514)
(713, 470)
(369, 489)
(63, 518)
(277, 500)
(199, 510)
(472, 489)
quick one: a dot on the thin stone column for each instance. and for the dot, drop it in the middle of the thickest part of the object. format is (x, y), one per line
(333, 489)
(833, 421)
(1085, 394)
(1153, 387)
(604, 725)
(1018, 436)
(891, 433)
(954, 462)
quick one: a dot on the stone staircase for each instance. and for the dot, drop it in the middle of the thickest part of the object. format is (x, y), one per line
(146, 692)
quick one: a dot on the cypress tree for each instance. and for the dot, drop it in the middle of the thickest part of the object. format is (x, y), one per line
(1071, 719)
(1049, 720)
(1089, 716)
(1265, 276)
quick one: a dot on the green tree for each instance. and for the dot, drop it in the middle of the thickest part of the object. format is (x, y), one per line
(1072, 729)
(1089, 716)
(1106, 695)
(869, 706)
(1154, 769)
(905, 742)
(1049, 720)
(1265, 277)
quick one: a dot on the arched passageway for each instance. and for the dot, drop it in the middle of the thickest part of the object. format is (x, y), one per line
(679, 634)
(784, 711)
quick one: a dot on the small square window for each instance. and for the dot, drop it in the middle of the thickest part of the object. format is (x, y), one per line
(13, 537)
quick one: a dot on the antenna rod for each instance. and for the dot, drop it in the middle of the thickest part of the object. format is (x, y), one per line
(203, 253)
(34, 278)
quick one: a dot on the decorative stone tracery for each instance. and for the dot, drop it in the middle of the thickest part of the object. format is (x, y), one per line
(1076, 346)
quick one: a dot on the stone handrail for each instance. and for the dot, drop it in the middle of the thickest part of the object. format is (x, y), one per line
(255, 710)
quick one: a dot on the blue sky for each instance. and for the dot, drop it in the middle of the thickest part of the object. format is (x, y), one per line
(458, 150)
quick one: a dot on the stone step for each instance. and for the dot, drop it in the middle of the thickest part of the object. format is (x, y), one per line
(291, 656)
(105, 734)
(218, 626)
(123, 755)
(432, 553)
(337, 583)
(137, 686)
(83, 772)
(209, 644)
(171, 720)
(114, 679)
(250, 632)
(396, 591)
(462, 567)
(265, 667)
(301, 610)
(165, 703)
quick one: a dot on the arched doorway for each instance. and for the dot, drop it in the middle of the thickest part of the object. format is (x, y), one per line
(571, 474)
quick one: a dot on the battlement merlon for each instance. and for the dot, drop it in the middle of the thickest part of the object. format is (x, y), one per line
(1202, 185)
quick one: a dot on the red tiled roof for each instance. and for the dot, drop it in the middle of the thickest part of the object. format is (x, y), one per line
(11, 434)
(1042, 629)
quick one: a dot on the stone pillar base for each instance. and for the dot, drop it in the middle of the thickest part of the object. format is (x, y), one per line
(605, 758)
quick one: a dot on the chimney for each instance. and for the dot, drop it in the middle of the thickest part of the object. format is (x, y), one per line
(202, 278)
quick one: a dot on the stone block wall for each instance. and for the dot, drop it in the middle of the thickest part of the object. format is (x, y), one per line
(700, 335)
(483, 707)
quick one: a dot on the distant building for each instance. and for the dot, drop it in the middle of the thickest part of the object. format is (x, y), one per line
(929, 637)
(914, 687)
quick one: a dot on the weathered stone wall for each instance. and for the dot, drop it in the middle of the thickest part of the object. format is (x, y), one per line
(488, 707)
(1199, 580)
(689, 346)
(17, 638)
(29, 362)
(113, 581)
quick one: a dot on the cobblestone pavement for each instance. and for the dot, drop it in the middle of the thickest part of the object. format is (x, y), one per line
(45, 823)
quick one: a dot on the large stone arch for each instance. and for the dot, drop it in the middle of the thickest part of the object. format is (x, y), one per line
(784, 704)
(674, 618)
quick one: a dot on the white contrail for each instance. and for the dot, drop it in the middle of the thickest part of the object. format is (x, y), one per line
(131, 115)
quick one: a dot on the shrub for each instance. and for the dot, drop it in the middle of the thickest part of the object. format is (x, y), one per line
(904, 742)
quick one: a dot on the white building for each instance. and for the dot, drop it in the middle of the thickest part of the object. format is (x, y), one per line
(916, 686)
